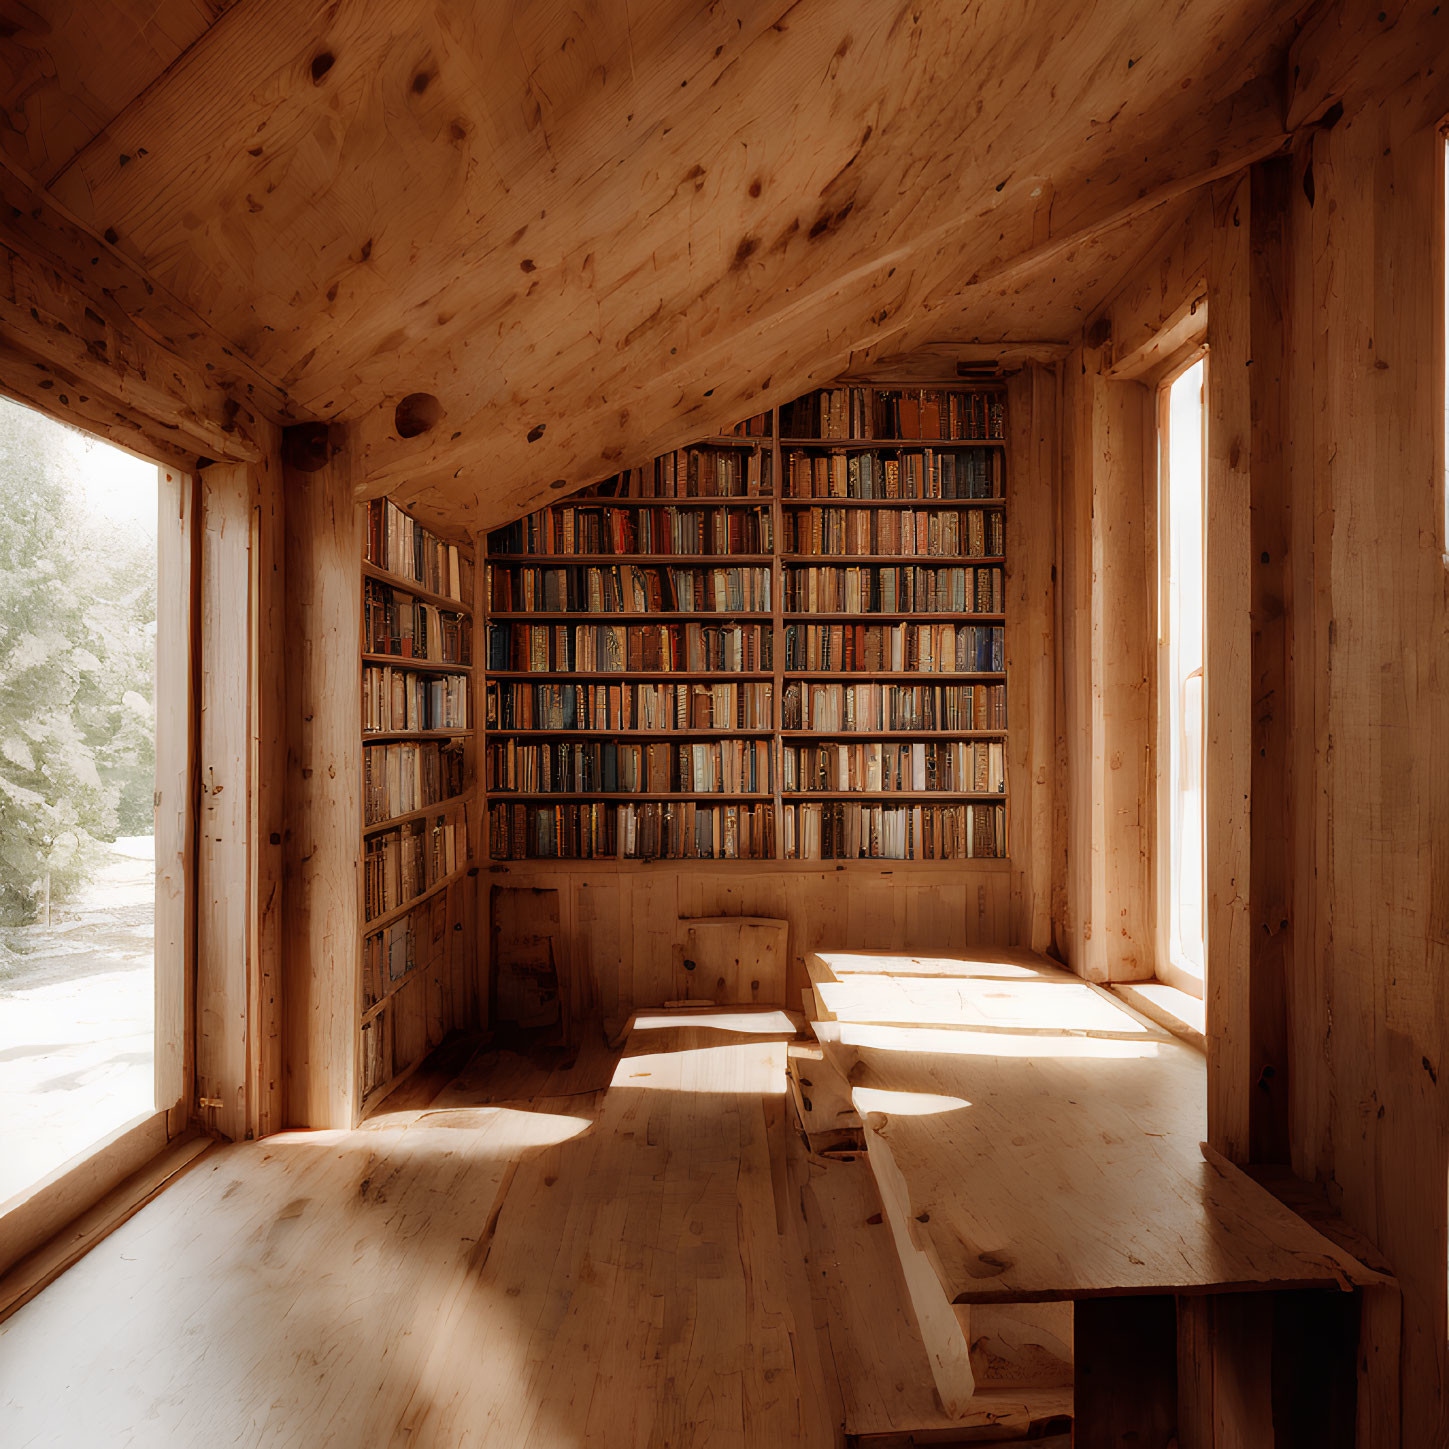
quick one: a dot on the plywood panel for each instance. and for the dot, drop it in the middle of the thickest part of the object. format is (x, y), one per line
(620, 920)
(732, 960)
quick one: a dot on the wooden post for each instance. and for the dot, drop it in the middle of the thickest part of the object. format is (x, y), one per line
(321, 844)
(1227, 700)
(1272, 855)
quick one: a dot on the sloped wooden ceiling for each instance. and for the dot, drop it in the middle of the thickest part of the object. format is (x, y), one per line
(594, 230)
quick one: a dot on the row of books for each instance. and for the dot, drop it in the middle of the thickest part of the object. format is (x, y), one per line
(698, 472)
(904, 648)
(596, 528)
(877, 706)
(394, 622)
(402, 546)
(653, 830)
(391, 955)
(895, 412)
(892, 589)
(617, 648)
(685, 706)
(730, 766)
(934, 533)
(376, 1049)
(755, 427)
(845, 830)
(400, 864)
(885, 766)
(400, 778)
(628, 589)
(922, 473)
(396, 699)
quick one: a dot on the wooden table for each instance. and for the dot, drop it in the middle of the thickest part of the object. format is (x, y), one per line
(1035, 1140)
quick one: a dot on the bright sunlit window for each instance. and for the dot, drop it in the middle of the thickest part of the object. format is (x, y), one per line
(1182, 426)
(78, 582)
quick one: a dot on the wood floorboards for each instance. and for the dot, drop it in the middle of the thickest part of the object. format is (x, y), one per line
(528, 1261)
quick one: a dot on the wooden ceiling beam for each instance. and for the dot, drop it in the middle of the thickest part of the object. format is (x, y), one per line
(35, 226)
(89, 367)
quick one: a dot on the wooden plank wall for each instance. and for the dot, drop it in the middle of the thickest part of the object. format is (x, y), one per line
(1368, 986)
(620, 919)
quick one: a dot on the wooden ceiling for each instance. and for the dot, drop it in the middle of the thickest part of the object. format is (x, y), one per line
(594, 230)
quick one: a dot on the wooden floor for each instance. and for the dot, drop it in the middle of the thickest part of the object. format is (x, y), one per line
(527, 1261)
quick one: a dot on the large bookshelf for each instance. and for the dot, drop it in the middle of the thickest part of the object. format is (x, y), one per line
(783, 644)
(419, 782)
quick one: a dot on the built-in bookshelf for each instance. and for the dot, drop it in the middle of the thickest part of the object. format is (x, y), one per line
(418, 780)
(786, 643)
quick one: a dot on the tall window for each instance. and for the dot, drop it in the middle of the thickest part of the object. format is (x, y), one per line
(1182, 439)
(78, 590)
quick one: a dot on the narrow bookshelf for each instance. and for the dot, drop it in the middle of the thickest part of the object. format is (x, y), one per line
(418, 782)
(783, 644)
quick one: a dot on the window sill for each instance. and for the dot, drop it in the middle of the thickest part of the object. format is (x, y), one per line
(1173, 1010)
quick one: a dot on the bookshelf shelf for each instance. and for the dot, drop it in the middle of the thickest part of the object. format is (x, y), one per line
(872, 616)
(897, 676)
(921, 560)
(771, 826)
(439, 807)
(865, 736)
(656, 676)
(689, 500)
(658, 616)
(421, 666)
(898, 503)
(506, 732)
(378, 737)
(912, 797)
(892, 444)
(709, 797)
(405, 585)
(681, 560)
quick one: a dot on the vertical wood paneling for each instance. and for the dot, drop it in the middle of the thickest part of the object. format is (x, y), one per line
(621, 921)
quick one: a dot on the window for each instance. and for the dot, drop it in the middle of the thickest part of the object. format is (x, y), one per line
(78, 674)
(1181, 450)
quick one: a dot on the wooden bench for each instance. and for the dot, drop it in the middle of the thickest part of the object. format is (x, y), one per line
(1034, 1140)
